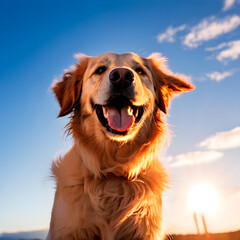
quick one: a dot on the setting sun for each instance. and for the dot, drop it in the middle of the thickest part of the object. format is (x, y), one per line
(203, 198)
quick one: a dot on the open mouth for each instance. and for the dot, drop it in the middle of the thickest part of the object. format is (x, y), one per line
(119, 115)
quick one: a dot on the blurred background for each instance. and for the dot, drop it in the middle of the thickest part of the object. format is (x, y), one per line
(201, 39)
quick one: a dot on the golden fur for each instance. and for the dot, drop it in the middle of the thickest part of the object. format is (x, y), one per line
(109, 185)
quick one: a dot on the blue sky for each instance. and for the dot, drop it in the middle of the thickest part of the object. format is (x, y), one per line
(201, 39)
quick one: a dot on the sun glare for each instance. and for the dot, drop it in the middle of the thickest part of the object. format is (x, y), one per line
(203, 198)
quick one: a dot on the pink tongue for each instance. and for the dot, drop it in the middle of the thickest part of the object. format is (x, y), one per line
(120, 121)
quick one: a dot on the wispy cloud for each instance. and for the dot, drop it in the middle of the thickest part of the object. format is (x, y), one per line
(219, 141)
(218, 47)
(192, 158)
(228, 4)
(217, 76)
(209, 29)
(231, 52)
(170, 33)
(223, 140)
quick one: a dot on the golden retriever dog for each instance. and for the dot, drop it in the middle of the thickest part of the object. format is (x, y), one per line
(110, 182)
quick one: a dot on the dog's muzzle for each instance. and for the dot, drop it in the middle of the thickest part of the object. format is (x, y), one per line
(120, 115)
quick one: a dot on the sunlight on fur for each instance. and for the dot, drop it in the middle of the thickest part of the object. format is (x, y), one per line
(109, 184)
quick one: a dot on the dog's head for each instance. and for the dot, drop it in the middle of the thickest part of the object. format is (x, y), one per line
(117, 93)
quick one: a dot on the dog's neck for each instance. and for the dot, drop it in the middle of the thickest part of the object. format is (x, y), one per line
(112, 165)
(126, 160)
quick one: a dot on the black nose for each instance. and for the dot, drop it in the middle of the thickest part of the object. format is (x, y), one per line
(121, 77)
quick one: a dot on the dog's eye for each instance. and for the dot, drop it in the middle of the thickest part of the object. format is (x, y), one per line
(100, 70)
(140, 71)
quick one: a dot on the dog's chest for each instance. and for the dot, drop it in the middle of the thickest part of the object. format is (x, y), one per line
(116, 197)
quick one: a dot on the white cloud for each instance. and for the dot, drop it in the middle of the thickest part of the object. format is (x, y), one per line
(218, 47)
(209, 29)
(223, 140)
(228, 4)
(170, 33)
(232, 52)
(217, 76)
(192, 158)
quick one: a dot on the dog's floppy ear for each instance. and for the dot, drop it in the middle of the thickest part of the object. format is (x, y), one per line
(166, 83)
(68, 90)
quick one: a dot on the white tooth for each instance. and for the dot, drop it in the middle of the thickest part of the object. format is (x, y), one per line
(105, 112)
(136, 113)
(130, 110)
